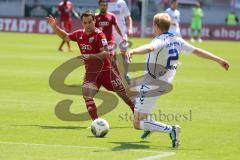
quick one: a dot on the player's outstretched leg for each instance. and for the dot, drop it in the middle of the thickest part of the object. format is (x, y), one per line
(89, 91)
(145, 134)
(143, 122)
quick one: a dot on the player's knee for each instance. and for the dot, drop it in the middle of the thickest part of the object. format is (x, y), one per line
(87, 98)
(89, 87)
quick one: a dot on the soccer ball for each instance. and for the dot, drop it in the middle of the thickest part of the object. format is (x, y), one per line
(99, 127)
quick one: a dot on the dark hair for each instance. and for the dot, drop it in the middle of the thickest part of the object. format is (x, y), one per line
(103, 1)
(173, 1)
(87, 14)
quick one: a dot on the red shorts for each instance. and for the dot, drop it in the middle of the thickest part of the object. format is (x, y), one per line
(110, 79)
(66, 25)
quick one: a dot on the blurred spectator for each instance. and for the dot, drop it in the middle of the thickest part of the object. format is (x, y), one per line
(196, 24)
(231, 19)
(65, 9)
(174, 14)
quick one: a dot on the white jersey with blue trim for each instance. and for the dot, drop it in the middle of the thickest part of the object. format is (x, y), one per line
(120, 9)
(175, 18)
(167, 48)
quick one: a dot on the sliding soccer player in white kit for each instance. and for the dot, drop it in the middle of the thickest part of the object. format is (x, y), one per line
(164, 50)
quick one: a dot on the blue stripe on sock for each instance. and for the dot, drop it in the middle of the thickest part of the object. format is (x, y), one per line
(154, 124)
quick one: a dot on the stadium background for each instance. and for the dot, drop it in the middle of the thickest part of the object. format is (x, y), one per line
(27, 16)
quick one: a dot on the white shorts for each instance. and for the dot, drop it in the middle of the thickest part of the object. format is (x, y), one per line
(150, 90)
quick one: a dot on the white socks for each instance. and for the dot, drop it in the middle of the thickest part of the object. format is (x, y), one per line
(151, 125)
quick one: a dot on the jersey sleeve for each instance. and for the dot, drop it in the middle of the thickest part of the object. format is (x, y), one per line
(125, 9)
(74, 35)
(186, 48)
(101, 40)
(157, 44)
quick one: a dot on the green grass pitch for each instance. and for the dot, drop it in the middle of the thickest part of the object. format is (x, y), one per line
(30, 130)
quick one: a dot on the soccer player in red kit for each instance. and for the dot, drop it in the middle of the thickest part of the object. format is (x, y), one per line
(99, 71)
(105, 21)
(65, 9)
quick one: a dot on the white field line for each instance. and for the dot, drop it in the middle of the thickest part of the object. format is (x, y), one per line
(158, 156)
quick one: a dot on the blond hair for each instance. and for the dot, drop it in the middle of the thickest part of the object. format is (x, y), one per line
(162, 21)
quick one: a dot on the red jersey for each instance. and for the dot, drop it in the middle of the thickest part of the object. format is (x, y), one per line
(91, 44)
(105, 21)
(65, 10)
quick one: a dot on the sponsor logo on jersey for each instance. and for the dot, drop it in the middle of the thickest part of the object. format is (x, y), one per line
(104, 23)
(85, 47)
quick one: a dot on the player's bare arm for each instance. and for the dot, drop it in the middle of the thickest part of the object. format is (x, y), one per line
(61, 33)
(205, 54)
(140, 50)
(129, 25)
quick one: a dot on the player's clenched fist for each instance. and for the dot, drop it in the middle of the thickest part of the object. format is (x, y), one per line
(51, 21)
